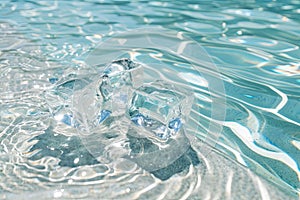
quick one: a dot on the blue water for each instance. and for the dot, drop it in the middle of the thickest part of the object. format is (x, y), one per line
(240, 60)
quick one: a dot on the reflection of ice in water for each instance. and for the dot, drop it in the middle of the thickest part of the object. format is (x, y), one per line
(159, 108)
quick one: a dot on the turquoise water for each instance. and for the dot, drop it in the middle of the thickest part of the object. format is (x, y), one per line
(240, 60)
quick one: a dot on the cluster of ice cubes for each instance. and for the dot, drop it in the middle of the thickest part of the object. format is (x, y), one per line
(158, 108)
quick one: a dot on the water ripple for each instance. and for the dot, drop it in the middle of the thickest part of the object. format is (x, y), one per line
(43, 50)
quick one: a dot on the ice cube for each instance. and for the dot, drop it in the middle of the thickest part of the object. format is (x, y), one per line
(118, 80)
(59, 98)
(160, 108)
(123, 72)
(107, 96)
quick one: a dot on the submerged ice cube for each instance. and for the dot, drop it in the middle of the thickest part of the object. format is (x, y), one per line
(159, 108)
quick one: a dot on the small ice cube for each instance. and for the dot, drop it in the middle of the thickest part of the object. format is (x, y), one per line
(160, 108)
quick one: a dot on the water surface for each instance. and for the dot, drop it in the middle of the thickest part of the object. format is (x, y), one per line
(255, 48)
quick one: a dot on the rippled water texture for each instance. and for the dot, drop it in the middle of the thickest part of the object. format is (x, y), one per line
(244, 147)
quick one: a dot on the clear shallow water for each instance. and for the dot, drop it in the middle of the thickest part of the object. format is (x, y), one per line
(255, 48)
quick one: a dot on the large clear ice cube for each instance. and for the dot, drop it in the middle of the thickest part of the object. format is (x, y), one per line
(107, 96)
(123, 72)
(160, 108)
(117, 83)
(59, 98)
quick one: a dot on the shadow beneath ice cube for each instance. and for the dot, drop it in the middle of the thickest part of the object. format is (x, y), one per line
(174, 157)
(65, 148)
(181, 164)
